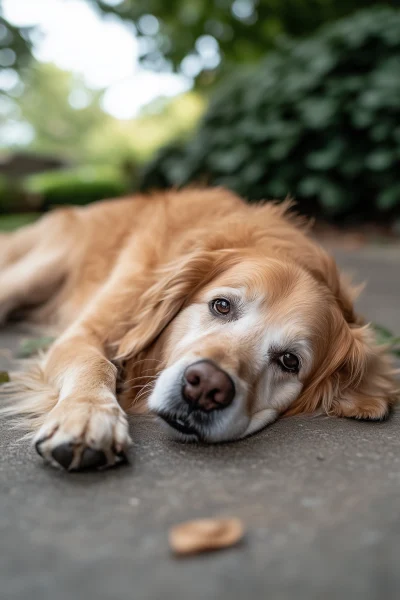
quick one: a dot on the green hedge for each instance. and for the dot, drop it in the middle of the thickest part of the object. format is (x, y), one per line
(14, 221)
(11, 196)
(318, 119)
(75, 186)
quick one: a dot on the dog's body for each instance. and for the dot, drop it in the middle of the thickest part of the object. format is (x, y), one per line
(216, 315)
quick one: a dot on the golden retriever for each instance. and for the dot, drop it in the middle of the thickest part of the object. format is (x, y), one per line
(215, 315)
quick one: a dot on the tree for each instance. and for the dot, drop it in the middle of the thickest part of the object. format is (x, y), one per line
(242, 30)
(65, 118)
(15, 44)
(204, 38)
(47, 106)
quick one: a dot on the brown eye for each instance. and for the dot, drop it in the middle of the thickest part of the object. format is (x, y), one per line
(289, 362)
(221, 306)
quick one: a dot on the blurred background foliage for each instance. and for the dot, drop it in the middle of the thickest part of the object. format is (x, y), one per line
(242, 30)
(295, 97)
(318, 119)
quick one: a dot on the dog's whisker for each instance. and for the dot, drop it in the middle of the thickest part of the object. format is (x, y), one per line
(137, 362)
(141, 386)
(136, 379)
(141, 377)
(143, 393)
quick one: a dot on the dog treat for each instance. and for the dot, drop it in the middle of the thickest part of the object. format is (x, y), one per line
(203, 535)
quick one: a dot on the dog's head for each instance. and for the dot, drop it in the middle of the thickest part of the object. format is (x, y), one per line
(246, 336)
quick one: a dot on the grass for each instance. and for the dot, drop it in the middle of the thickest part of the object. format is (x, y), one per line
(385, 336)
(11, 222)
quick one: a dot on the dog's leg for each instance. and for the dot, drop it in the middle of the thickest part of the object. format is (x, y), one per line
(33, 260)
(5, 239)
(87, 427)
(14, 245)
(81, 422)
(29, 281)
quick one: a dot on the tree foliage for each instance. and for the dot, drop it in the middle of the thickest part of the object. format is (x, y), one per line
(204, 36)
(243, 29)
(15, 44)
(65, 118)
(318, 120)
(45, 105)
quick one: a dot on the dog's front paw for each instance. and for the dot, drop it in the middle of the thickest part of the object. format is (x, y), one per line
(83, 434)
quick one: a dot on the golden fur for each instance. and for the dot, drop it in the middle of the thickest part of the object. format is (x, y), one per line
(112, 279)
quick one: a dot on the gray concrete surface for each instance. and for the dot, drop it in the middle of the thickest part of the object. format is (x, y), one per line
(320, 499)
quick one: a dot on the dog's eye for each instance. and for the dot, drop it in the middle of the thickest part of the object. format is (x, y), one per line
(289, 362)
(221, 306)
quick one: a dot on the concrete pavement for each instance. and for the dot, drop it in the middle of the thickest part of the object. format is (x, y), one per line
(319, 498)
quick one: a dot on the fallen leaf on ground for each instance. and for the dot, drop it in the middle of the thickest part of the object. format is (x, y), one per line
(203, 535)
(30, 347)
(4, 377)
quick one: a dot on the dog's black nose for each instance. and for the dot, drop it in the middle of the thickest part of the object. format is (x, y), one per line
(207, 387)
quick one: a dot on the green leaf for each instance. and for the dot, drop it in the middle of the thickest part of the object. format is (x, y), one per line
(230, 160)
(327, 157)
(383, 335)
(362, 118)
(30, 347)
(386, 337)
(310, 186)
(4, 377)
(280, 149)
(379, 160)
(317, 113)
(389, 198)
(333, 198)
(277, 188)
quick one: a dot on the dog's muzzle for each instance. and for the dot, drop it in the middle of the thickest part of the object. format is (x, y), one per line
(206, 387)
(205, 390)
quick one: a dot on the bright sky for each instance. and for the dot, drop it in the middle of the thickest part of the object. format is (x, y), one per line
(103, 51)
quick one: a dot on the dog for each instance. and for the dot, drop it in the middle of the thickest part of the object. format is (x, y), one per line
(215, 315)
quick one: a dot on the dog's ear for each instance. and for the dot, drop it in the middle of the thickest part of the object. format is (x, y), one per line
(356, 380)
(170, 288)
(362, 385)
(365, 387)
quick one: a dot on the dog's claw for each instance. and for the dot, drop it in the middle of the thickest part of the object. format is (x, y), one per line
(38, 449)
(121, 457)
(63, 454)
(92, 459)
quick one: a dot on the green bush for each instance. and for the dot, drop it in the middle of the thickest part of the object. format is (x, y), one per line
(319, 119)
(4, 194)
(76, 186)
(14, 221)
(11, 197)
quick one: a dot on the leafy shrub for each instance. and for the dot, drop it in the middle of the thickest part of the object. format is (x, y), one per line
(4, 195)
(318, 119)
(76, 186)
(14, 221)
(11, 197)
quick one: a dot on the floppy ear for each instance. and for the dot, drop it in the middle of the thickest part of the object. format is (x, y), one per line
(171, 287)
(365, 384)
(363, 387)
(356, 380)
